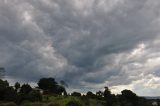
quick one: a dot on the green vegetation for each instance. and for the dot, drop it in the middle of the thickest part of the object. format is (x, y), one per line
(50, 93)
(66, 101)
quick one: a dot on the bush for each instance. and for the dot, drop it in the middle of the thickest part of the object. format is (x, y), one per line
(32, 104)
(37, 104)
(76, 94)
(73, 103)
(8, 104)
(11, 95)
(35, 96)
(11, 104)
(26, 103)
(54, 104)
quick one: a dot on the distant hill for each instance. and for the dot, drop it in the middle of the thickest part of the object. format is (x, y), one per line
(152, 97)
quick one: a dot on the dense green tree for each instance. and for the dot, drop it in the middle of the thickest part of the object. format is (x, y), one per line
(17, 85)
(3, 86)
(90, 95)
(107, 92)
(61, 90)
(25, 89)
(76, 94)
(11, 95)
(110, 99)
(128, 97)
(51, 86)
(99, 93)
(7, 93)
(47, 83)
(35, 96)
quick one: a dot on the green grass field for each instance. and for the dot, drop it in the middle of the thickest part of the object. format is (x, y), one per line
(66, 101)
(61, 101)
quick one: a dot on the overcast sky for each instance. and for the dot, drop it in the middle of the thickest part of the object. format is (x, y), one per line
(89, 44)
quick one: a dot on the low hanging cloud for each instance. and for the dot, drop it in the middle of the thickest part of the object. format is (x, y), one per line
(87, 43)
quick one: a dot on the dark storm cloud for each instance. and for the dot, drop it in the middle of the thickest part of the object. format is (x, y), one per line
(83, 42)
(84, 39)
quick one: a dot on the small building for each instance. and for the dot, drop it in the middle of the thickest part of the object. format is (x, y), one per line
(39, 90)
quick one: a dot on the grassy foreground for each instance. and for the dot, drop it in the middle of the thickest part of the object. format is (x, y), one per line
(61, 101)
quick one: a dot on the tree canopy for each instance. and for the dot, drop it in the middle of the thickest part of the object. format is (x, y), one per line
(49, 85)
(27, 93)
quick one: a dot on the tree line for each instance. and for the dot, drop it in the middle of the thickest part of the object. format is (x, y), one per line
(48, 86)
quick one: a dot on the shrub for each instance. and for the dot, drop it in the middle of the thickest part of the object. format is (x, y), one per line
(37, 104)
(11, 104)
(76, 94)
(2, 104)
(8, 104)
(73, 103)
(33, 104)
(54, 104)
(26, 103)
(35, 96)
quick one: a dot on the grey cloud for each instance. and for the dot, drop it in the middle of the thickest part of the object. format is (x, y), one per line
(85, 41)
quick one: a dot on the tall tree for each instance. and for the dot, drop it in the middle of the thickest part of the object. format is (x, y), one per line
(61, 90)
(90, 94)
(51, 86)
(3, 86)
(76, 94)
(25, 89)
(110, 99)
(99, 93)
(17, 85)
(107, 93)
(129, 97)
(47, 83)
(11, 95)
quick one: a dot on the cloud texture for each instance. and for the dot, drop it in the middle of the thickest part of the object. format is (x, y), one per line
(88, 43)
